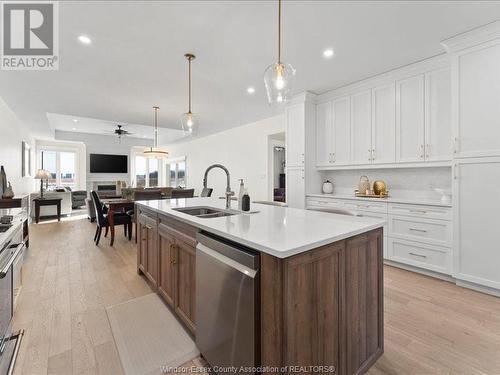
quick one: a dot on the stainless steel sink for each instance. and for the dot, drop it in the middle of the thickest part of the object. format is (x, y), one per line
(205, 212)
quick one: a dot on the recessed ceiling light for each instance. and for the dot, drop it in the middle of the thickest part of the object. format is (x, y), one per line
(328, 53)
(75, 120)
(84, 39)
(73, 128)
(251, 90)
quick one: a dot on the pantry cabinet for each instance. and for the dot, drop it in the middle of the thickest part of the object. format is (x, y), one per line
(477, 110)
(476, 238)
(295, 135)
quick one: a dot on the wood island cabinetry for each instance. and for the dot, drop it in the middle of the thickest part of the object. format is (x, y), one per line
(321, 307)
(167, 257)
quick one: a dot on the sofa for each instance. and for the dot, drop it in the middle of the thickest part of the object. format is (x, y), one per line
(66, 203)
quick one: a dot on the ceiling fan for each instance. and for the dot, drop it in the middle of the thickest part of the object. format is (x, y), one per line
(119, 131)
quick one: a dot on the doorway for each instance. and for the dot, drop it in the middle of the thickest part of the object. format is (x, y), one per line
(277, 160)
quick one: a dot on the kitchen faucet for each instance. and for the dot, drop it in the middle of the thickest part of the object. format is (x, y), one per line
(229, 193)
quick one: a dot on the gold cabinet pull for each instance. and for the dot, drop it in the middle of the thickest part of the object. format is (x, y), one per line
(172, 254)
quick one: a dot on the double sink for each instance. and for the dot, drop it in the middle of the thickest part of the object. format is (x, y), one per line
(205, 212)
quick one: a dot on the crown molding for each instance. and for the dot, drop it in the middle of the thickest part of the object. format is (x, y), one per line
(303, 97)
(472, 37)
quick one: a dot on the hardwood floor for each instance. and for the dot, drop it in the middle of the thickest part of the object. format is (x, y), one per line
(68, 283)
(431, 326)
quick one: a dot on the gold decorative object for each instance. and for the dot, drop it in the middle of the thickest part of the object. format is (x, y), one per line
(379, 187)
(371, 194)
(364, 185)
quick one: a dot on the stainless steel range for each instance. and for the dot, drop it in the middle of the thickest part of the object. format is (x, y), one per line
(11, 253)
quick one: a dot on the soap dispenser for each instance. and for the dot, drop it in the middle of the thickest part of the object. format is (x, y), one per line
(240, 194)
(245, 201)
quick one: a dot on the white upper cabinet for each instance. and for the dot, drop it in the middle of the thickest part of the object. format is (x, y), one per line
(342, 131)
(401, 118)
(477, 114)
(324, 134)
(410, 119)
(361, 127)
(333, 133)
(438, 129)
(383, 124)
(295, 136)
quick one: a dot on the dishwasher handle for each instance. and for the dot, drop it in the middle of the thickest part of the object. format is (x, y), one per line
(227, 261)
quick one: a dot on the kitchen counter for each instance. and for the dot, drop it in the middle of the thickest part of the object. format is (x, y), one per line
(277, 231)
(418, 201)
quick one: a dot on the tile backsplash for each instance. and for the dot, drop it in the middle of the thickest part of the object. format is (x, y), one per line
(401, 182)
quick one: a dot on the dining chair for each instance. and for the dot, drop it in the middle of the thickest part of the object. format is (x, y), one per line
(102, 219)
(182, 193)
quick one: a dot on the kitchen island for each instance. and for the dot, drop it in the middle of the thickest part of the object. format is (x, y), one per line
(320, 300)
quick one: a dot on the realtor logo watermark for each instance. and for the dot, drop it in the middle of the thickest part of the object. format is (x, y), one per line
(30, 35)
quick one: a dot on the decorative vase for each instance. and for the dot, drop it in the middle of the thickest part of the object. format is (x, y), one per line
(364, 185)
(327, 187)
(8, 193)
(3, 181)
(379, 188)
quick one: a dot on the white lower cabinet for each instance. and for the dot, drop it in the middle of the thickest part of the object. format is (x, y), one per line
(416, 235)
(434, 258)
(476, 208)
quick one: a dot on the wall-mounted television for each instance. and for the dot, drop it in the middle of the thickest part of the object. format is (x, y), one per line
(104, 163)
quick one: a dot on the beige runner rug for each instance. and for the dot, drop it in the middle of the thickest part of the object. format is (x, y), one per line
(148, 336)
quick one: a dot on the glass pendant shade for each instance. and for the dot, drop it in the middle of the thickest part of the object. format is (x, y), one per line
(189, 124)
(279, 79)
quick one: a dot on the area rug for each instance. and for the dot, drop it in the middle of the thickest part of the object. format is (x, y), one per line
(148, 337)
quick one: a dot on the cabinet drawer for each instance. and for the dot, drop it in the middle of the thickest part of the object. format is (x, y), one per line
(365, 205)
(436, 232)
(430, 257)
(431, 212)
(324, 202)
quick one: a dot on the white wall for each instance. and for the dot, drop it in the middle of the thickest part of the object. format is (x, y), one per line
(12, 133)
(243, 150)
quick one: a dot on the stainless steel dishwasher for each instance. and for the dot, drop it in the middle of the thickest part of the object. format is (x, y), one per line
(227, 303)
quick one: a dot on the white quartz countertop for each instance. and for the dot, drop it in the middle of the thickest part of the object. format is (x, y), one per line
(278, 231)
(404, 200)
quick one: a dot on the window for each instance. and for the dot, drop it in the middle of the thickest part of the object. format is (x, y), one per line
(62, 167)
(176, 171)
(146, 172)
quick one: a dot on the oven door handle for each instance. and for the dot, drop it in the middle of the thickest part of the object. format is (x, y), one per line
(6, 268)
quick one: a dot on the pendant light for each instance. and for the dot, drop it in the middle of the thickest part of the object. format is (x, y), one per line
(189, 120)
(155, 152)
(279, 77)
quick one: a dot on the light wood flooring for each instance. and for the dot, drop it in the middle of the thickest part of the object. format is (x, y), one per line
(431, 326)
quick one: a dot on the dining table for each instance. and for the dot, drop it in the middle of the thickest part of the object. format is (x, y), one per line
(115, 205)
